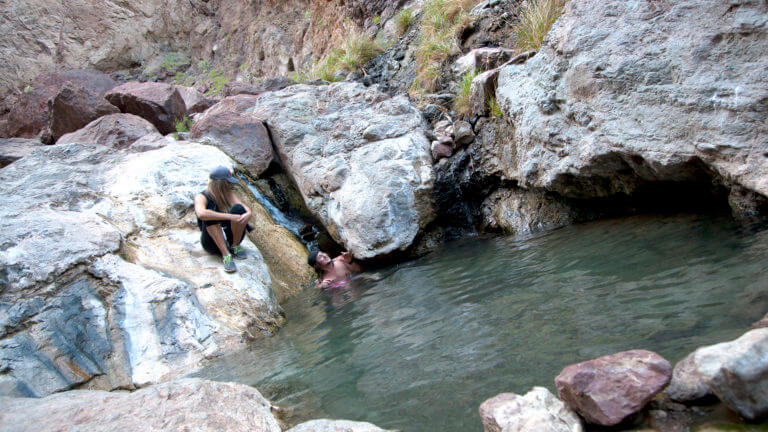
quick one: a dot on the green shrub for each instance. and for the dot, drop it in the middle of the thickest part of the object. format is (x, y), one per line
(403, 20)
(376, 19)
(172, 61)
(461, 101)
(204, 66)
(441, 23)
(184, 124)
(218, 81)
(493, 106)
(536, 18)
(352, 53)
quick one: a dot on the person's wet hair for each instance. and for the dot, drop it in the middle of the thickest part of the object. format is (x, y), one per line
(312, 258)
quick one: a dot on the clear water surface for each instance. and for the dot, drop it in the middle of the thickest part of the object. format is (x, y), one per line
(419, 346)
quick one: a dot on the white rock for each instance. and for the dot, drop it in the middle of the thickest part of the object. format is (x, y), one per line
(538, 410)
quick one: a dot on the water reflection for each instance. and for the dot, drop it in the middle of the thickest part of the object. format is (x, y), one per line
(419, 346)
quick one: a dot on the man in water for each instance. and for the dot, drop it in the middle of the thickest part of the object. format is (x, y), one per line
(334, 271)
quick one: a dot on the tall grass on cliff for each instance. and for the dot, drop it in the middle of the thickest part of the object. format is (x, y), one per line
(461, 101)
(536, 18)
(441, 23)
(355, 50)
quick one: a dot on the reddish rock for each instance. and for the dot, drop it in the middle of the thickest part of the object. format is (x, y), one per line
(194, 101)
(242, 136)
(440, 150)
(233, 88)
(28, 113)
(73, 107)
(160, 104)
(606, 390)
(13, 149)
(115, 130)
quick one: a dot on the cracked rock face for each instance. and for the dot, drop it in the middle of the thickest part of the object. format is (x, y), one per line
(103, 281)
(626, 92)
(360, 159)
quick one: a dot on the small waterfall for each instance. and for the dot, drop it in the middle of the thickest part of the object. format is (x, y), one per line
(292, 224)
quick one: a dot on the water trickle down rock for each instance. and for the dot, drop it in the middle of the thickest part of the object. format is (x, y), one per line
(628, 92)
(360, 159)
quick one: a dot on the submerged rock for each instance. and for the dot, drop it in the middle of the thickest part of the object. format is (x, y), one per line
(623, 93)
(359, 158)
(186, 404)
(103, 280)
(538, 410)
(735, 371)
(324, 425)
(160, 104)
(608, 389)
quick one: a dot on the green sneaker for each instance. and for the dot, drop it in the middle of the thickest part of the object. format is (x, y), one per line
(229, 265)
(238, 252)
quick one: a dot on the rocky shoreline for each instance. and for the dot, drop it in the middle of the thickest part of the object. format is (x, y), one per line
(628, 106)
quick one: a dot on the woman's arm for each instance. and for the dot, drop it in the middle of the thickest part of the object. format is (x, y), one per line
(346, 258)
(235, 200)
(204, 214)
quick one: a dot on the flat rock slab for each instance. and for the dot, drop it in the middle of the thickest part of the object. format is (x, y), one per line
(606, 390)
(186, 404)
(735, 371)
(160, 104)
(115, 130)
(13, 149)
(538, 410)
(360, 159)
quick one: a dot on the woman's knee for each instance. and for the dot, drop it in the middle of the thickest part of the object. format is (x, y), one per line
(237, 209)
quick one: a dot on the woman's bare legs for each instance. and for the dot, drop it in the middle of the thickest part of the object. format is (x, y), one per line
(218, 237)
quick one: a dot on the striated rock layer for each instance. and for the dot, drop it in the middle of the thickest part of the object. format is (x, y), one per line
(360, 159)
(103, 281)
(624, 93)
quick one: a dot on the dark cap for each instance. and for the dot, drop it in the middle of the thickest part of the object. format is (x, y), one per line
(312, 258)
(222, 173)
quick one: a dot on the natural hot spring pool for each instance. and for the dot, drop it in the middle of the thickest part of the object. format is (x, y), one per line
(419, 346)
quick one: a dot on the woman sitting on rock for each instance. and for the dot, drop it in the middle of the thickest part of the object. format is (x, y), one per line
(222, 232)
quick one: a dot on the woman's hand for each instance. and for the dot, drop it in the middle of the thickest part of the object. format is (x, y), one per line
(346, 257)
(243, 218)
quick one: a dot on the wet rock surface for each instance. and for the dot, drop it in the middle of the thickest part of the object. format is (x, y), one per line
(603, 109)
(519, 211)
(324, 425)
(359, 158)
(537, 410)
(606, 390)
(125, 296)
(186, 404)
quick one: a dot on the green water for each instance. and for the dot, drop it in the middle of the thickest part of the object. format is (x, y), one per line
(419, 346)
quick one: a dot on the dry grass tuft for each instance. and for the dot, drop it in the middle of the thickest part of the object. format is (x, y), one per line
(352, 53)
(536, 19)
(461, 101)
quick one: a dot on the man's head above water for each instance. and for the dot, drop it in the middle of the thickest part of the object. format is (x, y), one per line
(318, 259)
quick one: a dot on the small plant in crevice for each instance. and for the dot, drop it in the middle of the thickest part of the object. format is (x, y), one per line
(376, 19)
(536, 19)
(441, 23)
(461, 101)
(403, 20)
(218, 81)
(204, 66)
(183, 124)
(493, 107)
(351, 53)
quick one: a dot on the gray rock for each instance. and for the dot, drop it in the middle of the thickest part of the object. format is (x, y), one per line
(194, 101)
(735, 371)
(519, 211)
(80, 314)
(114, 130)
(13, 149)
(359, 158)
(538, 410)
(462, 133)
(186, 404)
(481, 59)
(603, 105)
(483, 88)
(440, 150)
(325, 425)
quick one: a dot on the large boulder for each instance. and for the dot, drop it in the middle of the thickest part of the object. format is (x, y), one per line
(735, 371)
(30, 113)
(115, 130)
(626, 92)
(324, 425)
(194, 101)
(538, 410)
(159, 103)
(74, 107)
(243, 137)
(104, 283)
(13, 149)
(185, 404)
(360, 159)
(518, 211)
(608, 389)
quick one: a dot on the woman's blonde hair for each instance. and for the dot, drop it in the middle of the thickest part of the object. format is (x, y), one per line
(219, 191)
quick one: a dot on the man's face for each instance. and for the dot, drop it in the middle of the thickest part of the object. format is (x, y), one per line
(323, 259)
